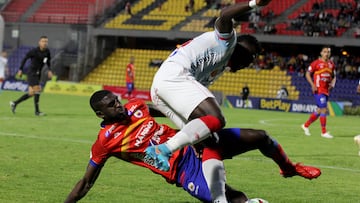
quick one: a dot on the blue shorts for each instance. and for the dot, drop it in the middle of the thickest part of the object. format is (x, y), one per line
(321, 100)
(130, 86)
(190, 175)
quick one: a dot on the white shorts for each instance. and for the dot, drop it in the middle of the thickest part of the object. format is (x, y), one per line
(176, 93)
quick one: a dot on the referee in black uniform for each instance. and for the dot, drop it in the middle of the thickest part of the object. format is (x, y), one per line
(39, 57)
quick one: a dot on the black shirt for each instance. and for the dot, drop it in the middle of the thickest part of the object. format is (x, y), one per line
(38, 59)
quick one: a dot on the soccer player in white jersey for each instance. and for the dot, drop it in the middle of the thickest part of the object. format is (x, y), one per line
(179, 89)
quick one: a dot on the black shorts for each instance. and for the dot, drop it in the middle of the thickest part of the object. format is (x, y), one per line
(33, 79)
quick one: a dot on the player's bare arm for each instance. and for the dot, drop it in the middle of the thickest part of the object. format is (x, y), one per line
(310, 81)
(84, 185)
(154, 112)
(224, 22)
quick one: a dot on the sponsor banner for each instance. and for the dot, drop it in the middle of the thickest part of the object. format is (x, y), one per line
(121, 91)
(15, 85)
(303, 107)
(335, 108)
(70, 88)
(275, 104)
(237, 102)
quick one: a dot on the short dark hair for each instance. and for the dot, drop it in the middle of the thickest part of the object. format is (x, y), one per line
(43, 37)
(250, 40)
(96, 97)
(325, 47)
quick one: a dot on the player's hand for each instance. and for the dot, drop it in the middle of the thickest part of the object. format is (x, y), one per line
(19, 73)
(314, 89)
(262, 2)
(50, 74)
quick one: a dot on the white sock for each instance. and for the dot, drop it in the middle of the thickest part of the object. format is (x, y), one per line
(214, 173)
(192, 133)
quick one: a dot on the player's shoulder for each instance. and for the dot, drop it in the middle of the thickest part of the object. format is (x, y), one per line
(135, 104)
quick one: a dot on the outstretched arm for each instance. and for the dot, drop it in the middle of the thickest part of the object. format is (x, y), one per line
(84, 185)
(224, 22)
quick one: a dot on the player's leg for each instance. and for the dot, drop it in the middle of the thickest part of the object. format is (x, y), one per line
(191, 178)
(177, 94)
(30, 93)
(313, 116)
(37, 92)
(323, 113)
(183, 97)
(235, 141)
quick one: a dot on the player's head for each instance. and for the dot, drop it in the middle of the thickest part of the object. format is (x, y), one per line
(132, 59)
(325, 52)
(107, 106)
(246, 50)
(43, 42)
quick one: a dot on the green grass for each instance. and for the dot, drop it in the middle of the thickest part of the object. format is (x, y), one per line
(43, 157)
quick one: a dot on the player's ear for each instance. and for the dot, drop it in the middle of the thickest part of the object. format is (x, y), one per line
(100, 114)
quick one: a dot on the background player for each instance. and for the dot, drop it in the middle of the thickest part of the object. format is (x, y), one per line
(3, 66)
(130, 77)
(179, 88)
(126, 130)
(39, 56)
(324, 79)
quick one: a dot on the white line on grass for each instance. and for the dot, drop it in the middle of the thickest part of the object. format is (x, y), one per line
(44, 138)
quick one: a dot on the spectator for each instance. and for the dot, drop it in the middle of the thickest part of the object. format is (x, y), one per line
(282, 93)
(130, 77)
(244, 95)
(128, 8)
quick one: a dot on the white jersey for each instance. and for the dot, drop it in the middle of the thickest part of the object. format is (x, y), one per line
(206, 56)
(179, 85)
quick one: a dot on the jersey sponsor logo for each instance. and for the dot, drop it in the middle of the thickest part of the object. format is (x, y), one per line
(205, 59)
(132, 108)
(157, 134)
(109, 131)
(117, 134)
(145, 129)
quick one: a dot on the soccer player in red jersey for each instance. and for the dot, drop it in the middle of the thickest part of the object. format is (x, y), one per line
(127, 130)
(323, 80)
(130, 77)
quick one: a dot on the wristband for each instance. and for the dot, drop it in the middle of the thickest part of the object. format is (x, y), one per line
(252, 4)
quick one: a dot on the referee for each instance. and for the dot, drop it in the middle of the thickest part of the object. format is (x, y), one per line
(39, 57)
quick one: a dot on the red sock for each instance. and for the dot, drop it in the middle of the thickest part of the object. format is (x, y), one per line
(212, 122)
(323, 122)
(311, 119)
(211, 153)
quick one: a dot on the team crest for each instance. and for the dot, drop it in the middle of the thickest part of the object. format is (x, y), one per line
(191, 186)
(138, 114)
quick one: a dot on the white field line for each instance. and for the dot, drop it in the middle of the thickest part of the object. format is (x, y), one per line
(44, 138)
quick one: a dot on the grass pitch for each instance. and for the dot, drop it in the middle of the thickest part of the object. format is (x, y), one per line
(43, 157)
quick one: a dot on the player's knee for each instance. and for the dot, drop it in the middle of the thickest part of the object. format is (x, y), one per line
(262, 136)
